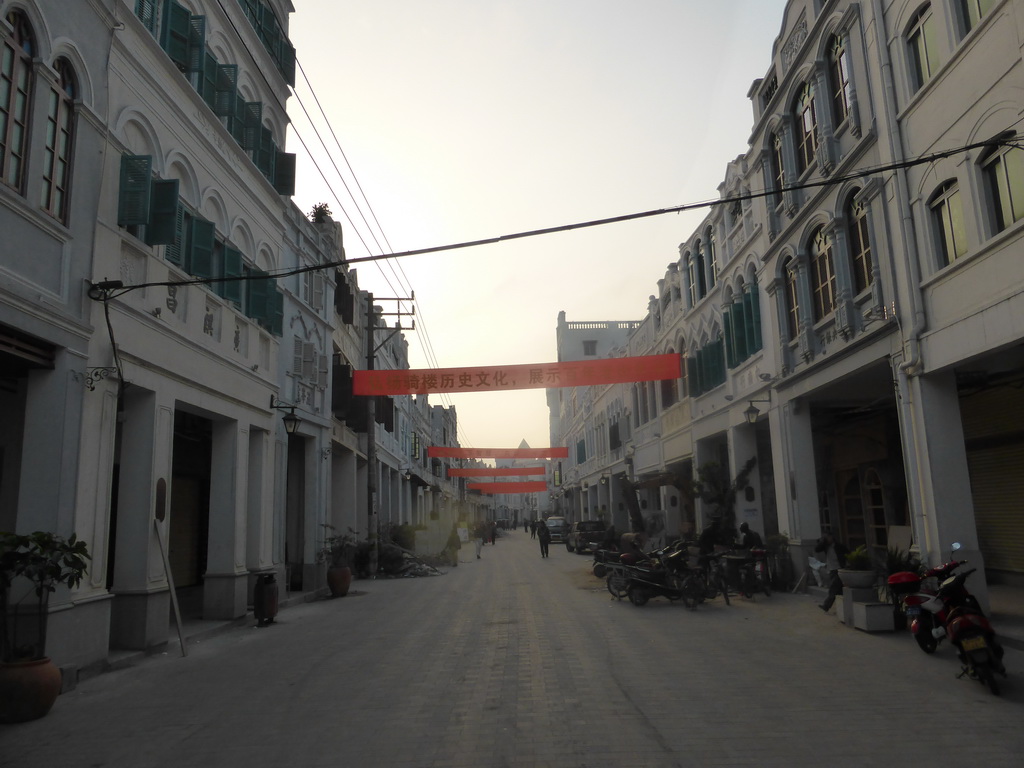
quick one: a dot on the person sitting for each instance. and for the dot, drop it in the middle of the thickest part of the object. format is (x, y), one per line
(748, 539)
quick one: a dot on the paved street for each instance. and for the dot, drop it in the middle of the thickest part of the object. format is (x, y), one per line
(513, 660)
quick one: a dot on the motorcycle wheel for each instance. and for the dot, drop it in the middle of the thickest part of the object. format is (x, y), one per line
(618, 584)
(693, 593)
(924, 637)
(723, 587)
(986, 677)
(766, 585)
(638, 596)
(600, 570)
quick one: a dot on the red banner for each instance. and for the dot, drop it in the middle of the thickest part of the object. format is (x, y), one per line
(444, 452)
(616, 370)
(496, 471)
(524, 486)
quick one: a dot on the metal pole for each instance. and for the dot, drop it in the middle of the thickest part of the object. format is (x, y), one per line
(371, 441)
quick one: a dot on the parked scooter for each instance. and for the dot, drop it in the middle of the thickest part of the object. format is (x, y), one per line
(951, 611)
(666, 574)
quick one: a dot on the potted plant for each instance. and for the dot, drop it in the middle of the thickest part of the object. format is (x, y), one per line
(338, 551)
(858, 571)
(31, 567)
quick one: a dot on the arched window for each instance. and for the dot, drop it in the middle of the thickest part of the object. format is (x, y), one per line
(823, 275)
(18, 49)
(700, 267)
(972, 12)
(839, 79)
(807, 127)
(948, 220)
(60, 130)
(792, 297)
(778, 167)
(709, 238)
(691, 278)
(922, 46)
(1003, 169)
(669, 390)
(860, 244)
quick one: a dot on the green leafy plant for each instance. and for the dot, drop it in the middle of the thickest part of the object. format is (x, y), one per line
(321, 213)
(858, 559)
(339, 549)
(898, 560)
(46, 560)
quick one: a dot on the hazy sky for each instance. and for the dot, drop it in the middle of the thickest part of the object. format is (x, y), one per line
(470, 119)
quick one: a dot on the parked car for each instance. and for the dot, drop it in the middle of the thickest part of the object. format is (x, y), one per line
(557, 527)
(585, 536)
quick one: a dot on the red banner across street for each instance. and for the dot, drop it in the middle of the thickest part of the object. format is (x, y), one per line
(444, 452)
(498, 378)
(524, 486)
(496, 471)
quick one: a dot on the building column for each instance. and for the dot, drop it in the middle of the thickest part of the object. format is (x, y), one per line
(140, 616)
(225, 584)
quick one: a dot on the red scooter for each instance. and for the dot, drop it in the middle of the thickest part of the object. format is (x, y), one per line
(951, 611)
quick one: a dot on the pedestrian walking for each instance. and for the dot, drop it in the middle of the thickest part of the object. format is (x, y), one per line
(454, 545)
(533, 529)
(835, 557)
(494, 533)
(478, 538)
(544, 536)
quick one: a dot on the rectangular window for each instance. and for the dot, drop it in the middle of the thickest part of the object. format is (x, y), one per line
(947, 214)
(589, 348)
(923, 47)
(972, 12)
(15, 100)
(1004, 175)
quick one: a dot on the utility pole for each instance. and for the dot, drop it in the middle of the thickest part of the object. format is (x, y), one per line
(371, 417)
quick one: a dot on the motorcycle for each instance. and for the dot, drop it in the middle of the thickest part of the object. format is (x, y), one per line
(954, 613)
(750, 571)
(666, 574)
(923, 607)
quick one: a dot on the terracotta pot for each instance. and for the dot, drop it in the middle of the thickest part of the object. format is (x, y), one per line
(27, 689)
(339, 579)
(857, 579)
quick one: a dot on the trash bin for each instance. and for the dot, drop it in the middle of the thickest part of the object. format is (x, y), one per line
(264, 599)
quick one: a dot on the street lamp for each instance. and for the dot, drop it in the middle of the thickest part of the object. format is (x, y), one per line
(291, 421)
(751, 413)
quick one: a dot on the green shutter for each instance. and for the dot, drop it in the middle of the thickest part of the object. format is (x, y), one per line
(284, 173)
(175, 250)
(225, 90)
(145, 10)
(208, 80)
(134, 190)
(286, 60)
(252, 116)
(176, 34)
(727, 324)
(232, 290)
(166, 214)
(196, 51)
(755, 319)
(739, 329)
(265, 153)
(256, 306)
(202, 241)
(275, 309)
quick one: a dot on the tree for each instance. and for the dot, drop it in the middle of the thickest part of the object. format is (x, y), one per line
(713, 486)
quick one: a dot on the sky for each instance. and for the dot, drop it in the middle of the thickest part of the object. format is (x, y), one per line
(425, 123)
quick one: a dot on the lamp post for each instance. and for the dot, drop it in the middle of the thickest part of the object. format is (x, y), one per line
(751, 413)
(291, 421)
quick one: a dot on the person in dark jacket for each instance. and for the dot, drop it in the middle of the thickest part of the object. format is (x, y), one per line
(748, 539)
(835, 558)
(544, 536)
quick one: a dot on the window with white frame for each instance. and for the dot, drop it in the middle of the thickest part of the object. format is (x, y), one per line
(1003, 171)
(948, 220)
(807, 127)
(823, 275)
(860, 243)
(60, 139)
(922, 46)
(792, 297)
(17, 49)
(971, 12)
(839, 79)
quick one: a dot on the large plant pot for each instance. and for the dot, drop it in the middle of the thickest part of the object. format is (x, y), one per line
(27, 689)
(857, 579)
(339, 580)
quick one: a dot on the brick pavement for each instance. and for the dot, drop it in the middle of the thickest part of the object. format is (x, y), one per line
(512, 660)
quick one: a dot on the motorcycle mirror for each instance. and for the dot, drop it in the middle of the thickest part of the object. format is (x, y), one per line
(956, 546)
